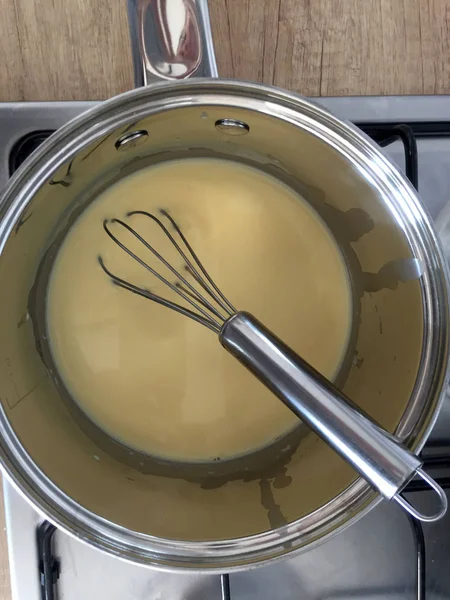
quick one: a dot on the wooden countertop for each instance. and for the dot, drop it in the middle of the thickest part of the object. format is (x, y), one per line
(79, 50)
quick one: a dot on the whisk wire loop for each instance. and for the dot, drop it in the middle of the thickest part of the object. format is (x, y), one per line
(205, 312)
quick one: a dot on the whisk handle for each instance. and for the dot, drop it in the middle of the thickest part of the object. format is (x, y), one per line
(375, 454)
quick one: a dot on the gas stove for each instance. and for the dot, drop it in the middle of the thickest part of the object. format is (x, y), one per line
(385, 554)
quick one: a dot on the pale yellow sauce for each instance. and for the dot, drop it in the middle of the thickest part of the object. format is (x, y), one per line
(157, 381)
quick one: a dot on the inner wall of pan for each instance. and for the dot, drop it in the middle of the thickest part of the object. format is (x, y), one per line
(267, 489)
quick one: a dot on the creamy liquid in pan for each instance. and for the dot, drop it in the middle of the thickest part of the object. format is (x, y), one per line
(157, 381)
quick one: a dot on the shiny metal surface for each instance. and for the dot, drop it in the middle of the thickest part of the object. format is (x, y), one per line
(232, 127)
(372, 452)
(377, 456)
(292, 139)
(156, 535)
(131, 140)
(205, 304)
(373, 559)
(171, 40)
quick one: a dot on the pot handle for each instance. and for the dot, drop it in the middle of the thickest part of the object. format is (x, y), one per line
(170, 40)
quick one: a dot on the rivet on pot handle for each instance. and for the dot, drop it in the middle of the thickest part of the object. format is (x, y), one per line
(377, 456)
(170, 40)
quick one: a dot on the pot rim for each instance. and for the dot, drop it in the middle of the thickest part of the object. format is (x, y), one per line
(416, 422)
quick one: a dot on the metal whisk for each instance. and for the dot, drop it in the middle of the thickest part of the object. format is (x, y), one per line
(377, 456)
(208, 314)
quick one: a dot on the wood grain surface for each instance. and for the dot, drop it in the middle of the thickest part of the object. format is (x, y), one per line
(79, 50)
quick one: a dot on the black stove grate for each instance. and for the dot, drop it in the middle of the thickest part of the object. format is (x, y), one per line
(384, 134)
(25, 146)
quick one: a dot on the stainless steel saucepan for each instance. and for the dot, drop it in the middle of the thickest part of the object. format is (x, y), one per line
(231, 514)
